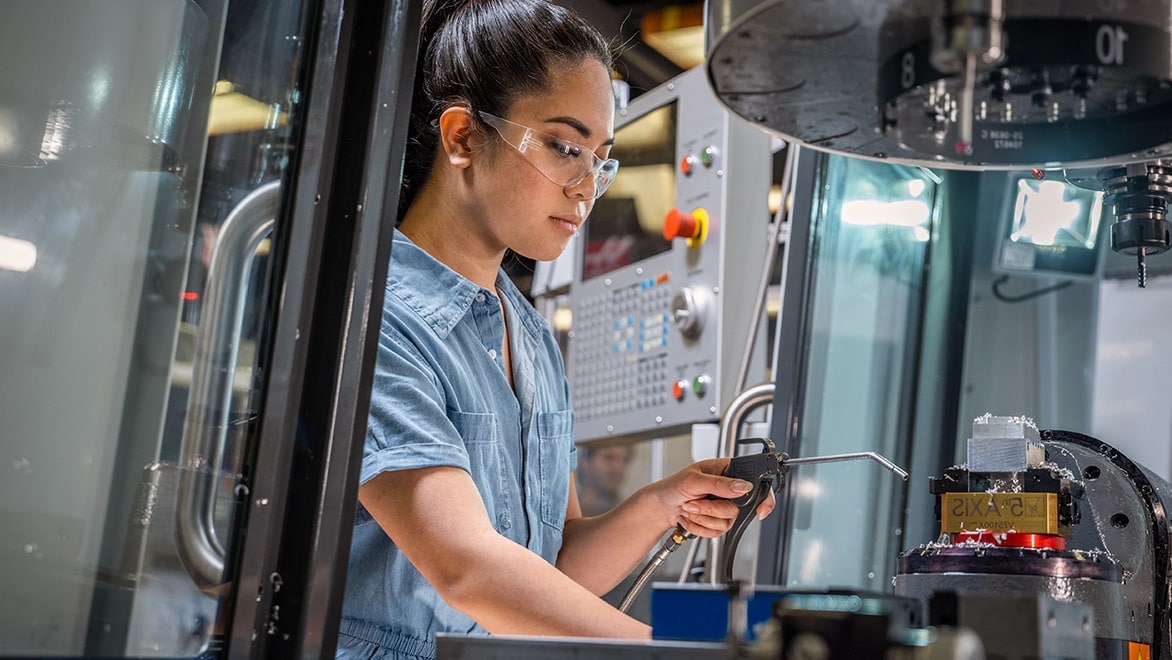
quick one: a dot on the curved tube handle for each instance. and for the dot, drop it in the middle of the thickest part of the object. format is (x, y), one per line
(205, 430)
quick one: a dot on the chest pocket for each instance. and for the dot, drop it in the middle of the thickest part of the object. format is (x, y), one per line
(555, 434)
(486, 463)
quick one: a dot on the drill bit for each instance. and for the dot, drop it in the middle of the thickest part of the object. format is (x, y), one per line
(964, 141)
(1142, 269)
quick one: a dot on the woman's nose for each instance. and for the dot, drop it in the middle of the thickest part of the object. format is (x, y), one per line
(584, 189)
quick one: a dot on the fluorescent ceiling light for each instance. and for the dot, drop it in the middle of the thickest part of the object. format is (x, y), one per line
(1052, 213)
(17, 255)
(233, 112)
(873, 213)
(683, 46)
(676, 31)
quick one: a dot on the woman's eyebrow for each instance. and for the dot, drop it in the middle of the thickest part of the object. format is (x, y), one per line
(578, 126)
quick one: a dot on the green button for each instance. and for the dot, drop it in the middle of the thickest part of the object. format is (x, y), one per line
(700, 385)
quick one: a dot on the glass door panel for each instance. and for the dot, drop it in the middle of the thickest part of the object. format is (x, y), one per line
(871, 230)
(142, 145)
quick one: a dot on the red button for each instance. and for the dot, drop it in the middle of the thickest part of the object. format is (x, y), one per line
(687, 164)
(678, 389)
(678, 224)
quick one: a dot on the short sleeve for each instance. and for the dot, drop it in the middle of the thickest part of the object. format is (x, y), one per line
(409, 426)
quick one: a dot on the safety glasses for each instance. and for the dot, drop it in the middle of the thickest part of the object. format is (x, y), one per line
(563, 162)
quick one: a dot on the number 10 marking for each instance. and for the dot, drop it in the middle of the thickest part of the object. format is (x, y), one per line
(1109, 44)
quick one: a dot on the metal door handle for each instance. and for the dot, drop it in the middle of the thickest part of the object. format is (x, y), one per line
(205, 430)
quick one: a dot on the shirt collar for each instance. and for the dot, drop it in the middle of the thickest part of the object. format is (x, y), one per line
(440, 295)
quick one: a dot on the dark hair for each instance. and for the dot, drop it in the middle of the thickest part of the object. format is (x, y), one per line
(487, 54)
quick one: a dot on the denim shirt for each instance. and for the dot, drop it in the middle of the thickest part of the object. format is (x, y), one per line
(441, 398)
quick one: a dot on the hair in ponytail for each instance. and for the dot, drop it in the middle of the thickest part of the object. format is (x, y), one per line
(486, 54)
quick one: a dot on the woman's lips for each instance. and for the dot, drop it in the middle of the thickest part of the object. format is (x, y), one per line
(570, 224)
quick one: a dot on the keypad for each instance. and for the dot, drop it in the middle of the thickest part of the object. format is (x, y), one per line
(621, 342)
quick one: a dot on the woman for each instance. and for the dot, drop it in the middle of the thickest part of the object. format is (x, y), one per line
(468, 521)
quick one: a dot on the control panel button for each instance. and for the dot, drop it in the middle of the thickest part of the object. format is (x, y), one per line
(700, 385)
(690, 226)
(687, 165)
(679, 389)
(708, 156)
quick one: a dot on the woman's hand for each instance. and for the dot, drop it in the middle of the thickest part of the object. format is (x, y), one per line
(684, 497)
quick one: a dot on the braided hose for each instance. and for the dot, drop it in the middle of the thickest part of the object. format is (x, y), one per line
(677, 538)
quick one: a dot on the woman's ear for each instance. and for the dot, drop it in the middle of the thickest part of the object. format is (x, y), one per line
(455, 128)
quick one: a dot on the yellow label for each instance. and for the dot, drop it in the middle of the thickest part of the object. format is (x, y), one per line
(1025, 513)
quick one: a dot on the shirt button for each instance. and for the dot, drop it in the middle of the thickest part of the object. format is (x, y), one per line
(492, 353)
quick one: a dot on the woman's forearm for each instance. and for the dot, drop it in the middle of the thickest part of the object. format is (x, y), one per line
(598, 552)
(511, 591)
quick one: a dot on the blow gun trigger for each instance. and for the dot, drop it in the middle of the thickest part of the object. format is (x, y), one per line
(764, 470)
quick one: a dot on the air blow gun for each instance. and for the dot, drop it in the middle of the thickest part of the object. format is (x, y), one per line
(765, 470)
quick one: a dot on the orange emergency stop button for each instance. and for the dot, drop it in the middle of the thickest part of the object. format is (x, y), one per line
(690, 226)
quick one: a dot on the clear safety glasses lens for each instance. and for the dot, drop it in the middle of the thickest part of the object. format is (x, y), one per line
(563, 162)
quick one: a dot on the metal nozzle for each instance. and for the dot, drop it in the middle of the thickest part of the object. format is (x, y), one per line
(834, 458)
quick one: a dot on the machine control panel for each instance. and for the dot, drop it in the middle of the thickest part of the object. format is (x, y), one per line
(668, 263)
(621, 357)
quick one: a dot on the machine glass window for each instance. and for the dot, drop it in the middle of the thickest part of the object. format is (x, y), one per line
(871, 228)
(142, 145)
(626, 225)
